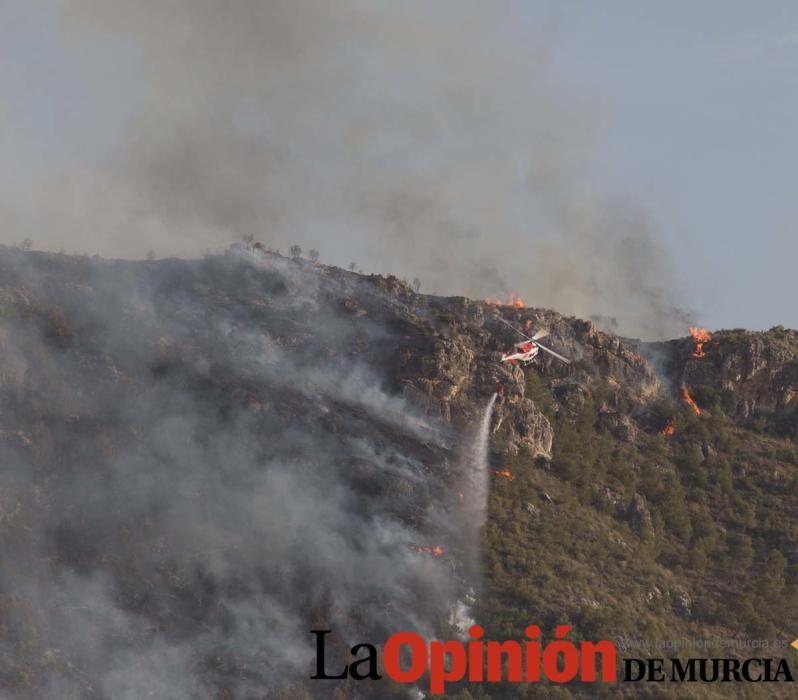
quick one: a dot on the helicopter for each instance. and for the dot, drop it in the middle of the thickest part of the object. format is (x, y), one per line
(527, 350)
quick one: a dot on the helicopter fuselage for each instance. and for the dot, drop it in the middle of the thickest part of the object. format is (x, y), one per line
(522, 353)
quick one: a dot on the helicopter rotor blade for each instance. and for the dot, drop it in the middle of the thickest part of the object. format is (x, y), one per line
(507, 323)
(556, 354)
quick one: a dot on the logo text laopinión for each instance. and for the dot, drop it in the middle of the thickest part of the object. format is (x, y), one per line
(406, 657)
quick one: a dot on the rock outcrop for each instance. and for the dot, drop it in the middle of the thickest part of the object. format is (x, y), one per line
(752, 374)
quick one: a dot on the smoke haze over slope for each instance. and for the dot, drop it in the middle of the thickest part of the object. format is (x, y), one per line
(200, 465)
(424, 140)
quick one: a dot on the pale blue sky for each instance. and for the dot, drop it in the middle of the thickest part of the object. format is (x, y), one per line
(700, 107)
(695, 104)
(61, 99)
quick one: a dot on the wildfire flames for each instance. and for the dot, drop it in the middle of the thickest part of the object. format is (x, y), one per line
(669, 429)
(435, 550)
(506, 473)
(689, 401)
(701, 337)
(513, 300)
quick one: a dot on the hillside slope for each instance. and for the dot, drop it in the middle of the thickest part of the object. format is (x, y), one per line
(203, 460)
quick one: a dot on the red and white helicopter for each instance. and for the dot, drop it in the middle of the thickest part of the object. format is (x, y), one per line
(527, 350)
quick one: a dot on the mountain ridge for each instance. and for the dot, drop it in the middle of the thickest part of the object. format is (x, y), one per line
(206, 453)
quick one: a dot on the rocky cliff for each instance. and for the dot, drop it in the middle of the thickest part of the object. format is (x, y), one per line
(203, 459)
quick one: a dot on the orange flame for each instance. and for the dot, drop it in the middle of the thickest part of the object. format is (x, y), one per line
(669, 429)
(512, 300)
(435, 551)
(689, 401)
(506, 473)
(701, 337)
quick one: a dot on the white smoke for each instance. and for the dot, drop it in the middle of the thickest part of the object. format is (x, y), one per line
(424, 139)
(197, 471)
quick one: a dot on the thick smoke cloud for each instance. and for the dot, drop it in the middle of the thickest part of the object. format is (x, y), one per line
(201, 463)
(425, 139)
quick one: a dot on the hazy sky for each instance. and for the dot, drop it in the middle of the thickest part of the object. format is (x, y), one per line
(691, 110)
(700, 106)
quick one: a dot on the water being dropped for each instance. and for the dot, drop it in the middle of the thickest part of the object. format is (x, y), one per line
(478, 479)
(474, 496)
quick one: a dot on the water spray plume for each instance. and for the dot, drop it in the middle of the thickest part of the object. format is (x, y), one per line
(474, 500)
(480, 455)
(477, 474)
